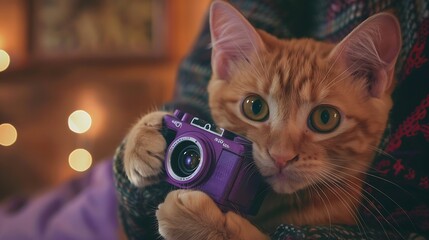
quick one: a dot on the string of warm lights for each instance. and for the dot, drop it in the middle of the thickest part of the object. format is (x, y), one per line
(80, 122)
(8, 133)
(4, 60)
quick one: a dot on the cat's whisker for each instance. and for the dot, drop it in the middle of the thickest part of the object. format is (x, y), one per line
(332, 65)
(356, 191)
(364, 165)
(255, 69)
(264, 70)
(382, 152)
(342, 183)
(328, 85)
(354, 187)
(334, 190)
(314, 186)
(250, 169)
(333, 81)
(310, 196)
(378, 190)
(241, 52)
(370, 175)
(365, 173)
(375, 188)
(298, 200)
(340, 77)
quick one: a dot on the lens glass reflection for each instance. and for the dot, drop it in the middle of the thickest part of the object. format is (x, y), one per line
(185, 159)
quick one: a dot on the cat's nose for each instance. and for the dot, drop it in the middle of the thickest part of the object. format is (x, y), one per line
(282, 160)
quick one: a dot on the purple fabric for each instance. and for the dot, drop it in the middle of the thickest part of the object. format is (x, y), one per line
(85, 208)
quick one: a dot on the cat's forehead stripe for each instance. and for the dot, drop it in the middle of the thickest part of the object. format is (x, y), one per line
(306, 92)
(295, 77)
(276, 81)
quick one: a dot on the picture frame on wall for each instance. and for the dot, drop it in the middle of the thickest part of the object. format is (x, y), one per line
(97, 29)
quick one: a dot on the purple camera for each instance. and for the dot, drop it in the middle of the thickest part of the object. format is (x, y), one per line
(218, 162)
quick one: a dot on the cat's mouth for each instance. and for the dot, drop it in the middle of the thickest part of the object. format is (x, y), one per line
(283, 175)
(285, 181)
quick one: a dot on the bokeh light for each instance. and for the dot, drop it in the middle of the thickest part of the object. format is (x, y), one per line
(8, 134)
(4, 60)
(80, 121)
(80, 160)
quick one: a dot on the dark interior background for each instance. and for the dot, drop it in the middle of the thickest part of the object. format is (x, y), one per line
(38, 94)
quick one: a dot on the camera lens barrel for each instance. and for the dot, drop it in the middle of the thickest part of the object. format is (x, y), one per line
(186, 159)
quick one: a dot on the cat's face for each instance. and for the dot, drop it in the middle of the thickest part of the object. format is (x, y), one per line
(315, 112)
(303, 114)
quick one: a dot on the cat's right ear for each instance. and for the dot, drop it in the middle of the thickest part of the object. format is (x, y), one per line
(232, 38)
(371, 50)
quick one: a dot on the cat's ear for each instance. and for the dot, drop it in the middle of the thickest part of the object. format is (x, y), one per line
(371, 50)
(232, 38)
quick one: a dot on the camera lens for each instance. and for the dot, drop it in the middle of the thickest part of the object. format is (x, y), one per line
(185, 159)
(189, 159)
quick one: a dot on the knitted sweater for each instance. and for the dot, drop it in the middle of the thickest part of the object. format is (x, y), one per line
(398, 182)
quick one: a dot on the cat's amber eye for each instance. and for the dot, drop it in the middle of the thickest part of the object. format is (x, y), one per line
(324, 119)
(255, 108)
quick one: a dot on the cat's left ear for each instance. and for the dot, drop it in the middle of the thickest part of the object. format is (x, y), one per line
(370, 51)
(233, 38)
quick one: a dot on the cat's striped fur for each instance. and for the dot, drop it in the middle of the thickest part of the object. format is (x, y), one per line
(316, 177)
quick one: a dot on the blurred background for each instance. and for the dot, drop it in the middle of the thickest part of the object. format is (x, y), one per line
(76, 74)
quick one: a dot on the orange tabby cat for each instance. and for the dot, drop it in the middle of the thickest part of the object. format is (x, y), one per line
(314, 111)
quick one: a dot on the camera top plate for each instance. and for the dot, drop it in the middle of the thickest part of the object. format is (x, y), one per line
(209, 127)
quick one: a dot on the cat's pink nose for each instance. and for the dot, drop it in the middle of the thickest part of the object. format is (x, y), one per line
(282, 160)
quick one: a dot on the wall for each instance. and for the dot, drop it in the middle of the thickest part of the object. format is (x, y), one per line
(13, 30)
(37, 97)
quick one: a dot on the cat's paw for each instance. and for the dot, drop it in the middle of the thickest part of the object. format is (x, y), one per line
(188, 214)
(144, 150)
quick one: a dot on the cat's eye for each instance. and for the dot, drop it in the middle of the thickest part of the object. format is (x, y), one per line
(255, 108)
(324, 119)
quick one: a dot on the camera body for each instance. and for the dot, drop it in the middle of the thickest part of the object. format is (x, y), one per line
(218, 162)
